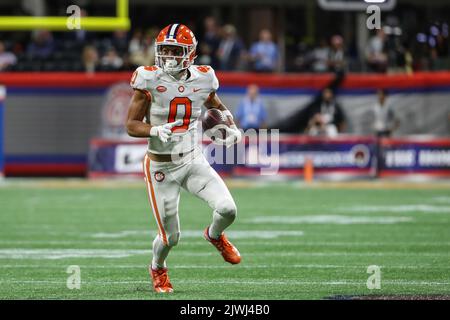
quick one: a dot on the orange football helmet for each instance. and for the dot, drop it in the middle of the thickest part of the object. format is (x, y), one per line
(175, 35)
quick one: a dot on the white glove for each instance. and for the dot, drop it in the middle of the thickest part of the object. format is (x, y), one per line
(164, 132)
(233, 136)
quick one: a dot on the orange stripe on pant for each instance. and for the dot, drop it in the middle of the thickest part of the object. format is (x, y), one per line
(152, 199)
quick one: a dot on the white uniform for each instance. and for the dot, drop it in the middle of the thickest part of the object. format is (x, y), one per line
(172, 100)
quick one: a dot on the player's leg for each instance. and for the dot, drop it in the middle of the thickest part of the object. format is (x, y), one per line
(204, 182)
(164, 195)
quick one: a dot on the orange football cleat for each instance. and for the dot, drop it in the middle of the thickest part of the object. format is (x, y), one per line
(229, 252)
(161, 282)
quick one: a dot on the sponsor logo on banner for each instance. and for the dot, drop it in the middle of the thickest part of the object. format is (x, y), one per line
(361, 155)
(129, 158)
(422, 157)
(115, 109)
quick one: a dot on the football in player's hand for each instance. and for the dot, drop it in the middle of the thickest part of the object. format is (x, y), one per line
(213, 120)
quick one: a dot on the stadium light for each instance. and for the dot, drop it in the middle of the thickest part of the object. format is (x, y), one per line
(120, 22)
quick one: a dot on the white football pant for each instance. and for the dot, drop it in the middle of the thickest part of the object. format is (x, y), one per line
(164, 181)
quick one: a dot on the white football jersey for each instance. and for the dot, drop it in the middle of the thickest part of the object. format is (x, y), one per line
(173, 100)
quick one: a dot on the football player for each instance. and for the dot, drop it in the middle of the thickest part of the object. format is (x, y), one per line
(165, 108)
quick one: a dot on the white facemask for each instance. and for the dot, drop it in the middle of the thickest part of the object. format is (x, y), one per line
(169, 63)
(171, 66)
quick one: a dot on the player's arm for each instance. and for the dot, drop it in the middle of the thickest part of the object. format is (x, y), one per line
(136, 112)
(213, 101)
(137, 128)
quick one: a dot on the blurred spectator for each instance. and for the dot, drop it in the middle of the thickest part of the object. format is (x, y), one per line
(120, 41)
(7, 59)
(90, 59)
(408, 61)
(111, 60)
(384, 120)
(127, 64)
(264, 53)
(442, 46)
(336, 62)
(377, 58)
(136, 41)
(204, 57)
(211, 38)
(317, 126)
(320, 57)
(142, 48)
(393, 49)
(230, 49)
(325, 115)
(439, 54)
(42, 45)
(251, 113)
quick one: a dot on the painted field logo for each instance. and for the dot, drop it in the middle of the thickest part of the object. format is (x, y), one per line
(115, 109)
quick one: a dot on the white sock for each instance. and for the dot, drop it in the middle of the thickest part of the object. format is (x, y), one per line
(160, 253)
(219, 224)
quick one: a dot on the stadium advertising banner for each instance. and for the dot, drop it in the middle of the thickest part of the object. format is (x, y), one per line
(2, 155)
(332, 158)
(338, 158)
(108, 158)
(94, 106)
(415, 156)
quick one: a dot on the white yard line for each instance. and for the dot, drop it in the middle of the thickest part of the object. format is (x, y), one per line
(68, 253)
(196, 242)
(442, 199)
(246, 266)
(404, 208)
(236, 234)
(51, 254)
(237, 281)
(326, 219)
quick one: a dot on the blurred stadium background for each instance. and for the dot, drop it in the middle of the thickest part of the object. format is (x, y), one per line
(63, 100)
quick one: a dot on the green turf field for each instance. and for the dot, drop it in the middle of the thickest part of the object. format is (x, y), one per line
(297, 242)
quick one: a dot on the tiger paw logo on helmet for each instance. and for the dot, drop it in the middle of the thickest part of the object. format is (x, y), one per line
(175, 48)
